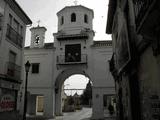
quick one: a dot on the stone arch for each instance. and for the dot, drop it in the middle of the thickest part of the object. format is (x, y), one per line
(58, 84)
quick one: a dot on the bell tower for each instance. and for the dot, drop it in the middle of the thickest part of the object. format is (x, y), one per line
(75, 34)
(37, 37)
(73, 19)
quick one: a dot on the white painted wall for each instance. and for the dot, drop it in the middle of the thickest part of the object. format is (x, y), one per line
(42, 83)
(52, 76)
(80, 11)
(102, 75)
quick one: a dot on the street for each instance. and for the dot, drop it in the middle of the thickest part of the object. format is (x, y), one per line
(83, 114)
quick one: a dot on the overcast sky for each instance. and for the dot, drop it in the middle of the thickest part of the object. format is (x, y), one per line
(75, 82)
(45, 11)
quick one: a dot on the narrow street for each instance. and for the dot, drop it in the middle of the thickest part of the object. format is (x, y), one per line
(83, 114)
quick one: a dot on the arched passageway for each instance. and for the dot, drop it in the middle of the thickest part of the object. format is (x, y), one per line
(60, 85)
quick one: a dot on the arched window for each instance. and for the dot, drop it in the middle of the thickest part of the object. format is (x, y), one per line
(86, 18)
(62, 20)
(73, 17)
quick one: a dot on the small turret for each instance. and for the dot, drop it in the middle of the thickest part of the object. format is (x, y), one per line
(37, 36)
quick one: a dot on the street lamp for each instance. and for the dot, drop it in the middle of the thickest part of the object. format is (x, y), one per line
(27, 66)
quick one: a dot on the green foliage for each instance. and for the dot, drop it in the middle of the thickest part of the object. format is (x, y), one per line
(70, 101)
(87, 94)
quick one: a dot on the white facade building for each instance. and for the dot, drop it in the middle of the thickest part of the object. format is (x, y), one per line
(73, 52)
(13, 23)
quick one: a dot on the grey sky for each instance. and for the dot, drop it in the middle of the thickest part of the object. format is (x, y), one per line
(45, 11)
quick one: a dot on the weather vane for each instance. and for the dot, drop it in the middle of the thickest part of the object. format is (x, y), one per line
(38, 22)
(75, 2)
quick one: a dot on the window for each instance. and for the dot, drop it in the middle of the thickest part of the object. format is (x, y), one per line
(10, 19)
(62, 20)
(85, 18)
(35, 67)
(73, 53)
(105, 100)
(21, 30)
(12, 57)
(73, 17)
(16, 25)
(11, 68)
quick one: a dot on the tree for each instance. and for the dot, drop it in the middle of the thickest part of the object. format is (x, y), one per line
(86, 97)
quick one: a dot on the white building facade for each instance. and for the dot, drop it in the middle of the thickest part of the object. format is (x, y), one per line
(13, 22)
(73, 52)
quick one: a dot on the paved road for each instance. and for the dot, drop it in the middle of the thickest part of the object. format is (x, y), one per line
(83, 114)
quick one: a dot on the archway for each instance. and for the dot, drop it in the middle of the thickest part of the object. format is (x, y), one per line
(60, 82)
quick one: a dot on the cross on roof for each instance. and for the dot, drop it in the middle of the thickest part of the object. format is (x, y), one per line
(38, 22)
(75, 2)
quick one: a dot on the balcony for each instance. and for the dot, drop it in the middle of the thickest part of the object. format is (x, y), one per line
(14, 36)
(141, 8)
(73, 37)
(13, 71)
(62, 60)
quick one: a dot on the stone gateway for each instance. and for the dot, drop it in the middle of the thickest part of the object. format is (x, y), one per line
(72, 52)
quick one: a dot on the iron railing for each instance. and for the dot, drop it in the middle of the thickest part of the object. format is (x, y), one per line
(13, 71)
(140, 8)
(61, 59)
(14, 36)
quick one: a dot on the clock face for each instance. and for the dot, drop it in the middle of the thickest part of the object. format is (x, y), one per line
(37, 39)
